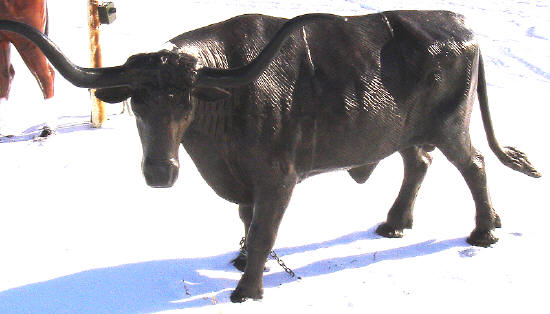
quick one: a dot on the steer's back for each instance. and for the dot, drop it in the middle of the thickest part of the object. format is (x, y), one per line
(386, 81)
(342, 94)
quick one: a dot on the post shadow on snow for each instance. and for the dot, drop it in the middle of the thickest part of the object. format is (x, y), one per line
(177, 284)
(34, 131)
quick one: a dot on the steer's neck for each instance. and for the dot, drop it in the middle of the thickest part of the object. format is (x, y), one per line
(212, 118)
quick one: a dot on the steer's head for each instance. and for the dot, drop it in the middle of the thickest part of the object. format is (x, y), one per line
(162, 86)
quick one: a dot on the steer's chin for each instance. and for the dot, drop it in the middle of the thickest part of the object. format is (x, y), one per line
(157, 184)
(161, 173)
(161, 178)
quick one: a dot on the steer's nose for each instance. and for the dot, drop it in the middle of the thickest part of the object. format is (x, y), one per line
(160, 173)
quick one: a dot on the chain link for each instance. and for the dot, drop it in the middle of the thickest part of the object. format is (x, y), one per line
(241, 244)
(272, 254)
(282, 264)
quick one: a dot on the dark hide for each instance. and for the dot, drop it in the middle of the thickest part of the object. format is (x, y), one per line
(338, 96)
(340, 93)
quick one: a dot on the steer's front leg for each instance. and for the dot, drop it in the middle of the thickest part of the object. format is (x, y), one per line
(245, 212)
(270, 202)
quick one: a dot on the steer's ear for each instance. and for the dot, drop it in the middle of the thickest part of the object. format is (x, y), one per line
(210, 93)
(113, 95)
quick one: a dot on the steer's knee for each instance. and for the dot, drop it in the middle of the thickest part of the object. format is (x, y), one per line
(417, 160)
(424, 160)
(475, 166)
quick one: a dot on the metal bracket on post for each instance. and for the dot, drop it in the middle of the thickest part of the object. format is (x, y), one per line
(106, 12)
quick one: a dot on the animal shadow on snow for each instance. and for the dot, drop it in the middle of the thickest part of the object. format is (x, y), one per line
(182, 283)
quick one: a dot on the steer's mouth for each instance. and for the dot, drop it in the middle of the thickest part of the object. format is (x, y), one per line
(160, 173)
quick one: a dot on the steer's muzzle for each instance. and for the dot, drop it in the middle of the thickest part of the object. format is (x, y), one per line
(160, 173)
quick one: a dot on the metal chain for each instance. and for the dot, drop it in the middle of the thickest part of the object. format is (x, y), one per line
(243, 250)
(272, 254)
(282, 264)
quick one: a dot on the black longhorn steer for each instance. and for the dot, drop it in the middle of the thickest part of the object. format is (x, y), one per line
(260, 103)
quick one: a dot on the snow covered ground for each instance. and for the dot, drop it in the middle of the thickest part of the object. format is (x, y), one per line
(80, 232)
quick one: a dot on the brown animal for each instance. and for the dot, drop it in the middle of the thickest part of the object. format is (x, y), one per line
(34, 13)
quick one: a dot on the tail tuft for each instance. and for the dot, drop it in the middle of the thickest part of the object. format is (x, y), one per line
(518, 161)
(509, 156)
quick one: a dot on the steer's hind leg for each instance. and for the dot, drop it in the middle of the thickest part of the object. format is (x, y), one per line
(471, 165)
(416, 162)
(270, 202)
(245, 212)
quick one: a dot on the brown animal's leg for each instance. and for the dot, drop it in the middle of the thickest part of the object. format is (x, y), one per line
(270, 202)
(416, 162)
(245, 212)
(471, 165)
(37, 64)
(361, 174)
(6, 69)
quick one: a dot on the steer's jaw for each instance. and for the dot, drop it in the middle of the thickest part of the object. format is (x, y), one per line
(160, 173)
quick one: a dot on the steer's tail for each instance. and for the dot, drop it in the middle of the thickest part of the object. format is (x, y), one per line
(509, 156)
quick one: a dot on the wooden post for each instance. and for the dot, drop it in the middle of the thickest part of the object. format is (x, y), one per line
(98, 107)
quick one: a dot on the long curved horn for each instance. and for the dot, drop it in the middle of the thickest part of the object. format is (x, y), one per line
(81, 77)
(226, 78)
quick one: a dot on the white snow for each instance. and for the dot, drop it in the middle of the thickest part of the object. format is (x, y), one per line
(80, 232)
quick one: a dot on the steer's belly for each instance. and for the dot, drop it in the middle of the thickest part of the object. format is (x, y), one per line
(343, 141)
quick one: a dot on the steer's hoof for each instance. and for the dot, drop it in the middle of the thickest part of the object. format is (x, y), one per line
(482, 238)
(388, 231)
(239, 262)
(239, 295)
